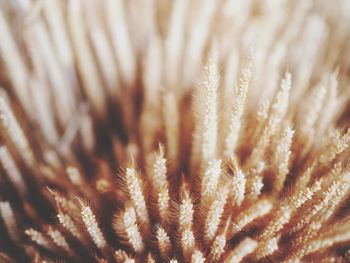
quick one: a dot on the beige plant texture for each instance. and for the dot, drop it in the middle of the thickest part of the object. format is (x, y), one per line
(174, 131)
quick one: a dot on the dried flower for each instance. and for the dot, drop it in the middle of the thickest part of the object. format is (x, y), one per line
(194, 131)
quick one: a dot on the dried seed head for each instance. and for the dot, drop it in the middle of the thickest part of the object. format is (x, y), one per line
(207, 121)
(163, 240)
(215, 213)
(57, 238)
(99, 84)
(210, 180)
(238, 106)
(197, 257)
(92, 227)
(282, 156)
(186, 213)
(256, 210)
(187, 242)
(244, 248)
(9, 220)
(14, 130)
(150, 259)
(68, 223)
(126, 226)
(238, 184)
(136, 195)
(12, 170)
(339, 146)
(38, 238)
(267, 248)
(217, 247)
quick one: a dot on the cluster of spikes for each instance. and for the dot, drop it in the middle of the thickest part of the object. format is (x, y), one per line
(174, 131)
